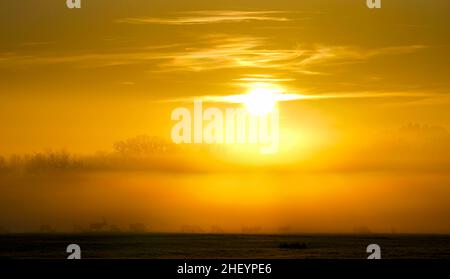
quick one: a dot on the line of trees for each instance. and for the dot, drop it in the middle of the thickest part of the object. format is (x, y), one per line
(125, 152)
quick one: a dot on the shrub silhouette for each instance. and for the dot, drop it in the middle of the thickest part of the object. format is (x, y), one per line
(52, 161)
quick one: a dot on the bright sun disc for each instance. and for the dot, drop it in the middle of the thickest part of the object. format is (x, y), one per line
(261, 101)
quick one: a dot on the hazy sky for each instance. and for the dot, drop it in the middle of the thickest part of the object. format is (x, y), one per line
(82, 79)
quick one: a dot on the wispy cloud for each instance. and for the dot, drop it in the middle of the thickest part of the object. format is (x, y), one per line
(223, 52)
(215, 52)
(321, 54)
(208, 17)
(287, 95)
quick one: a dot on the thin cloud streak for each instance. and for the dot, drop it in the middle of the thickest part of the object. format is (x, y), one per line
(209, 17)
(286, 97)
(263, 78)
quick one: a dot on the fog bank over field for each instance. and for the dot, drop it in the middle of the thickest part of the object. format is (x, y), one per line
(149, 185)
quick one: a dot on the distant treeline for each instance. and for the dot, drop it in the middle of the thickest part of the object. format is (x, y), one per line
(138, 153)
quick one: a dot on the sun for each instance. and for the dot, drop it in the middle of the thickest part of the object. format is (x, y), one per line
(261, 99)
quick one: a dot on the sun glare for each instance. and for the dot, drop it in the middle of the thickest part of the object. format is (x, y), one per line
(261, 99)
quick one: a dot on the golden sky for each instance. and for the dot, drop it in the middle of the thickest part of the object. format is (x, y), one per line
(377, 83)
(106, 64)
